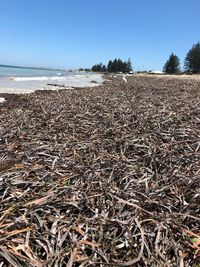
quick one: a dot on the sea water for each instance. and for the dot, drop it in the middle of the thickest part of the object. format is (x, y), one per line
(25, 80)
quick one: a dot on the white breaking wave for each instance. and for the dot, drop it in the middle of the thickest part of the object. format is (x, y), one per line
(30, 84)
(44, 78)
(55, 78)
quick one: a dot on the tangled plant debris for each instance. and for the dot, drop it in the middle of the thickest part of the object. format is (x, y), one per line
(107, 176)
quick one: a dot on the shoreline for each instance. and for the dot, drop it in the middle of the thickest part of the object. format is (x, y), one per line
(93, 80)
(24, 85)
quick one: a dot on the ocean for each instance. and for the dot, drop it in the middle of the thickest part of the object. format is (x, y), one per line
(25, 80)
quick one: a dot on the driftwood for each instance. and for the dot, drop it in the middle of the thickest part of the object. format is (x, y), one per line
(106, 176)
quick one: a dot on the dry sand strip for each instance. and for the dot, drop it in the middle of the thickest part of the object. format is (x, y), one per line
(105, 176)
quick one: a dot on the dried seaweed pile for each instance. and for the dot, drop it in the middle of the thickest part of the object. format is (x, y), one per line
(108, 176)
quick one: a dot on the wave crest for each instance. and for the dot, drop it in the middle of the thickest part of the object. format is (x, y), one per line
(44, 78)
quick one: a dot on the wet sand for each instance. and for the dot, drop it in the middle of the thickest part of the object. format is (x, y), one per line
(21, 85)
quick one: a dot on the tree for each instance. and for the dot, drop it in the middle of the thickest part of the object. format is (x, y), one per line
(98, 68)
(172, 66)
(119, 66)
(192, 60)
(104, 69)
(115, 66)
(129, 65)
(109, 67)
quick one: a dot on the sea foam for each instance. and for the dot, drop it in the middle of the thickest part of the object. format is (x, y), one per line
(44, 78)
(30, 84)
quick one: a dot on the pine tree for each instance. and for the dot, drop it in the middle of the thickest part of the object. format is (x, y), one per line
(192, 60)
(94, 68)
(115, 66)
(172, 66)
(129, 65)
(119, 65)
(109, 67)
(104, 69)
(97, 68)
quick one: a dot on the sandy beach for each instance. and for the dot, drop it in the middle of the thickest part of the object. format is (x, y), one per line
(108, 175)
(24, 85)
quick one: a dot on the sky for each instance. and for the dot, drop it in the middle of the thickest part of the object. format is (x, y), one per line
(81, 33)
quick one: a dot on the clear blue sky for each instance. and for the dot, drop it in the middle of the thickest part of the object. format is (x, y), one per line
(80, 33)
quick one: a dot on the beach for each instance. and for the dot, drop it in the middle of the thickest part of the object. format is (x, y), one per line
(20, 80)
(30, 85)
(104, 175)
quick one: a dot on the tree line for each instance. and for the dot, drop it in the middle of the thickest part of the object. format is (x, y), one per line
(117, 65)
(172, 66)
(191, 63)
